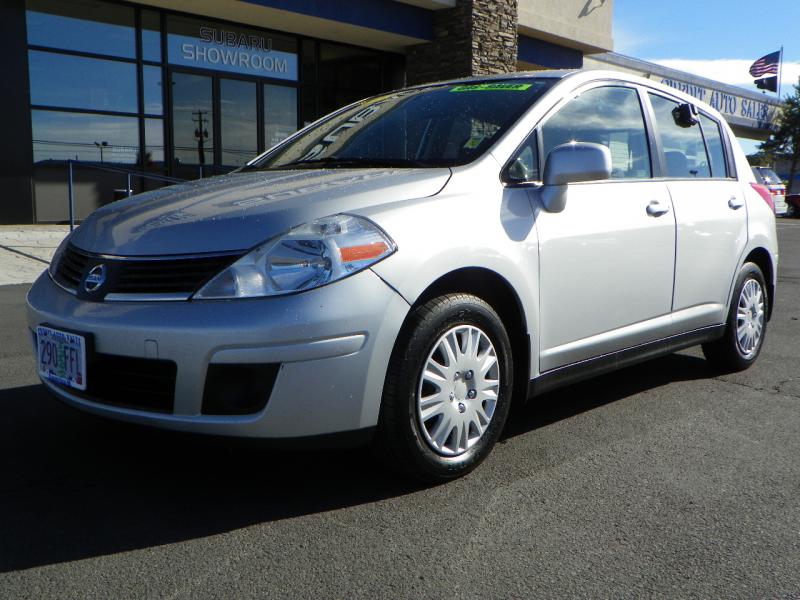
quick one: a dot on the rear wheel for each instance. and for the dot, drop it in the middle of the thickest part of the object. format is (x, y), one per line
(746, 326)
(448, 389)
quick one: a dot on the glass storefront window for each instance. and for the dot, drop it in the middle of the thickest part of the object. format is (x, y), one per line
(82, 136)
(208, 45)
(82, 25)
(192, 119)
(151, 36)
(308, 108)
(76, 82)
(238, 118)
(280, 113)
(153, 144)
(212, 73)
(309, 71)
(349, 68)
(153, 92)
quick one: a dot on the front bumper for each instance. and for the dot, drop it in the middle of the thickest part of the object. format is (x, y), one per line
(333, 345)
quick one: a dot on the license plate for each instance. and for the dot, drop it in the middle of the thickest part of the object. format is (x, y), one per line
(61, 357)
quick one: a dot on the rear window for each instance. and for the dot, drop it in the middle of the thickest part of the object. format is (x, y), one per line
(770, 176)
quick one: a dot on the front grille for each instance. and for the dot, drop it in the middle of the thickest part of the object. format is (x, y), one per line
(71, 269)
(167, 276)
(139, 276)
(140, 383)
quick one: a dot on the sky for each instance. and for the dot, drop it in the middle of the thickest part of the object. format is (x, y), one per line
(718, 39)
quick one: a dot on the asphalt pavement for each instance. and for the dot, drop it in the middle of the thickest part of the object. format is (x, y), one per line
(663, 480)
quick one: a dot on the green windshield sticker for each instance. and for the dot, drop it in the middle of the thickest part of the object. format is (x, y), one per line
(490, 87)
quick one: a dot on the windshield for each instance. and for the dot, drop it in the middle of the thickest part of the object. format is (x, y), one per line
(436, 126)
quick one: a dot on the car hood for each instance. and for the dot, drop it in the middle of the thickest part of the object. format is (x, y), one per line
(240, 210)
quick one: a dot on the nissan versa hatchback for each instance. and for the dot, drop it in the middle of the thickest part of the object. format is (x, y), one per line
(404, 269)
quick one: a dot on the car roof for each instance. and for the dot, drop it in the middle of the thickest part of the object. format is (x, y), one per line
(578, 77)
(552, 74)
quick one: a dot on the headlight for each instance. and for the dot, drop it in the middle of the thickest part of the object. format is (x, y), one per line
(305, 258)
(57, 255)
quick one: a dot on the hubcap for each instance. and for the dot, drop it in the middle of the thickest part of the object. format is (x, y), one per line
(457, 392)
(750, 318)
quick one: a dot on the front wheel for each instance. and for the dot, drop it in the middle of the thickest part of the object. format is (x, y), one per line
(448, 389)
(746, 326)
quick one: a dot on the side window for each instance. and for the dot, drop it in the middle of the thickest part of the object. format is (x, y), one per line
(684, 149)
(716, 153)
(525, 164)
(611, 116)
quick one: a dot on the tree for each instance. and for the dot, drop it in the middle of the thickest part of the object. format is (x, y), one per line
(785, 141)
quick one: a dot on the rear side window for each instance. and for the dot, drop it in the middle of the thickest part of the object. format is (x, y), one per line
(684, 150)
(611, 116)
(716, 152)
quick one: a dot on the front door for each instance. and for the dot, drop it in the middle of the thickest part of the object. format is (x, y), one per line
(607, 261)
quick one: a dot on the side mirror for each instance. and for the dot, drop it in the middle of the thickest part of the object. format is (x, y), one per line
(572, 163)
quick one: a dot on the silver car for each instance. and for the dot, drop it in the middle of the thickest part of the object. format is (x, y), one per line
(403, 269)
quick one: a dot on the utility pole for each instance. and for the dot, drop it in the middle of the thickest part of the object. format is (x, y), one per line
(200, 134)
(102, 146)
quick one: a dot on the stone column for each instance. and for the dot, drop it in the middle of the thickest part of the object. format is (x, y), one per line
(476, 37)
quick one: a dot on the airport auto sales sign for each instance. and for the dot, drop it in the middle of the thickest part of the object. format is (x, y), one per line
(231, 51)
(759, 114)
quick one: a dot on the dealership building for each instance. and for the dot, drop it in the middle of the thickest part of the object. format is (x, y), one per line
(111, 91)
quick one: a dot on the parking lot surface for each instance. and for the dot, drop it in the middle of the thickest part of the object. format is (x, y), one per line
(662, 480)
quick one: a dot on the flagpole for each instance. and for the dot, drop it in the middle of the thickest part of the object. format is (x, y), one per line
(780, 69)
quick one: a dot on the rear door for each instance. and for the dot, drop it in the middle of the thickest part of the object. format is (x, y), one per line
(606, 261)
(710, 213)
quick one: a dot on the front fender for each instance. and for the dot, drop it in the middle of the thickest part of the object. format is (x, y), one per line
(489, 227)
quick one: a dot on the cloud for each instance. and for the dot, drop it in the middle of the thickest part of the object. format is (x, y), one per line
(730, 70)
(630, 42)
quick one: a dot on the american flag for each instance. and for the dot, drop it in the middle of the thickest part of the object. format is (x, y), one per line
(766, 65)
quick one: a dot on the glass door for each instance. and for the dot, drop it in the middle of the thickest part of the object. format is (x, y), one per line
(192, 124)
(220, 123)
(238, 116)
(280, 113)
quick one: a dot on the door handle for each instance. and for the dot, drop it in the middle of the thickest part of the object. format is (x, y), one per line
(736, 203)
(656, 208)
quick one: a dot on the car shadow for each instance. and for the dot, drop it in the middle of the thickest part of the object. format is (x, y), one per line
(569, 401)
(75, 486)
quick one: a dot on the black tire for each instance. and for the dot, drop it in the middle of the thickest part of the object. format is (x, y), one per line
(726, 354)
(401, 440)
